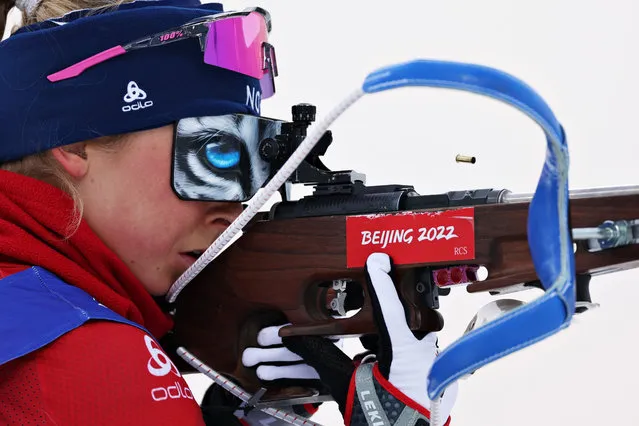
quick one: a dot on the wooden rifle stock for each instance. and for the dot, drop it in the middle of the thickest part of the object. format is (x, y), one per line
(283, 271)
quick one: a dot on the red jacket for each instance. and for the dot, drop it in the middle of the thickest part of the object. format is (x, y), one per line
(97, 374)
(103, 372)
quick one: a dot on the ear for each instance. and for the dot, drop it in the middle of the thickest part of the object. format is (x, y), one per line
(73, 158)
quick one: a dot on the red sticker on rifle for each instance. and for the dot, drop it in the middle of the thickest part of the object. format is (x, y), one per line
(411, 237)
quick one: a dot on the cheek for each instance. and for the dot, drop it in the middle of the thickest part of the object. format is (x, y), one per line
(156, 219)
(144, 218)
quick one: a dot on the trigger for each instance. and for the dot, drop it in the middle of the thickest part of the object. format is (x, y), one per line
(345, 297)
(338, 303)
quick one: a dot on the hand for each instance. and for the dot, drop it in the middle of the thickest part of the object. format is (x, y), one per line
(219, 407)
(397, 376)
(277, 362)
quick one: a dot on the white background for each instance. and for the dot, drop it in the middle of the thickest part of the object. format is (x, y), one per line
(582, 57)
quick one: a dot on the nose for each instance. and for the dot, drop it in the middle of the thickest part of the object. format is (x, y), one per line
(223, 212)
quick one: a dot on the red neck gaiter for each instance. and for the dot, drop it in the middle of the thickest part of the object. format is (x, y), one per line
(33, 219)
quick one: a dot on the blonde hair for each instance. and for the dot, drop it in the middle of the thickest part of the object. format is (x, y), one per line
(43, 165)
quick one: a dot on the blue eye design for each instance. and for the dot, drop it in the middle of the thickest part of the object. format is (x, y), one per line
(223, 156)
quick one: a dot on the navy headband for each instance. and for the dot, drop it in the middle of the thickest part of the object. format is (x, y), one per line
(37, 115)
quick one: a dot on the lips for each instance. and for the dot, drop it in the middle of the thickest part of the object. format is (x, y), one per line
(187, 260)
(195, 254)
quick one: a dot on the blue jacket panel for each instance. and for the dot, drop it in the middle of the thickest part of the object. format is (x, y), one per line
(37, 307)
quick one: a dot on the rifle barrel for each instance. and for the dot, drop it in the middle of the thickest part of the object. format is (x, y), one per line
(610, 191)
(592, 234)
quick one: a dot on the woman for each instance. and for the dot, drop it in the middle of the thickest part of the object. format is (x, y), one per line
(122, 158)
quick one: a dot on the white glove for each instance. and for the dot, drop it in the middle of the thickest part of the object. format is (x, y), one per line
(276, 352)
(411, 358)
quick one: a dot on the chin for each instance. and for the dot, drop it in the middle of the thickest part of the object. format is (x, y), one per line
(158, 287)
(158, 292)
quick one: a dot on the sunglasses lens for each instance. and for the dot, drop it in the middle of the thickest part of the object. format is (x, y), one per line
(237, 44)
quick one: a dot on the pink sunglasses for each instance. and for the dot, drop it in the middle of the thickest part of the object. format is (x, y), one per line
(236, 41)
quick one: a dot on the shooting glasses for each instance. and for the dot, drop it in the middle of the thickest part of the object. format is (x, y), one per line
(222, 158)
(236, 41)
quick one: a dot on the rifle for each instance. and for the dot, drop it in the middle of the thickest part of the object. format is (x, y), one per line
(302, 262)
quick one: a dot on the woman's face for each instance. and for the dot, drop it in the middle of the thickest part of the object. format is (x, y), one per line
(129, 203)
